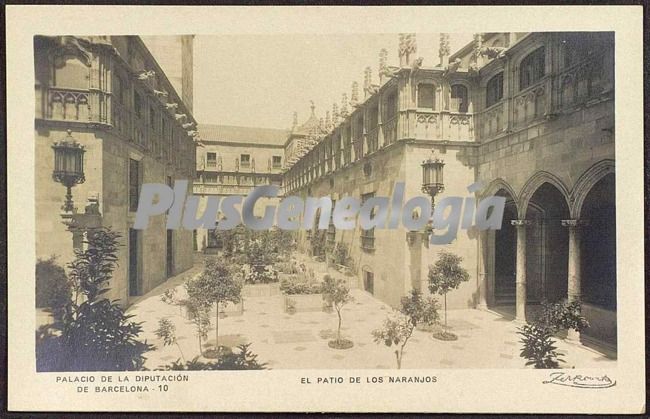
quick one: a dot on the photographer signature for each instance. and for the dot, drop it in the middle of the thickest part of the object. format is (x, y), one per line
(580, 381)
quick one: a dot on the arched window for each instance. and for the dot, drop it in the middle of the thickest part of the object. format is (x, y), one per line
(531, 69)
(426, 98)
(494, 90)
(459, 101)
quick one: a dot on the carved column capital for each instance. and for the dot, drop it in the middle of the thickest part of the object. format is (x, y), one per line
(574, 223)
(520, 223)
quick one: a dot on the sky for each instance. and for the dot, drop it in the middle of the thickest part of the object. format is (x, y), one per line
(260, 80)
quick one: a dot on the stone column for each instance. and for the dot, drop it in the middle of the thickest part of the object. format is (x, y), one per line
(574, 274)
(520, 281)
(482, 269)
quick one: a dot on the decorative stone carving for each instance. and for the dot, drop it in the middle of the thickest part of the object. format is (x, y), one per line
(415, 67)
(368, 88)
(407, 46)
(493, 52)
(476, 52)
(344, 106)
(427, 119)
(444, 49)
(146, 75)
(354, 99)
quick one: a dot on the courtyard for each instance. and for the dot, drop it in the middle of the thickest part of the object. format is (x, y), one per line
(284, 341)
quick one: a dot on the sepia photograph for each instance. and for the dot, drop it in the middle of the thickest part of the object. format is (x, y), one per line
(386, 206)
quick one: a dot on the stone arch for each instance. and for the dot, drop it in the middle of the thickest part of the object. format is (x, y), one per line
(500, 184)
(587, 181)
(531, 186)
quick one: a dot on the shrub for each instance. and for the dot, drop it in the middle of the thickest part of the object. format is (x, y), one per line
(538, 346)
(418, 309)
(53, 289)
(95, 335)
(242, 360)
(167, 332)
(294, 286)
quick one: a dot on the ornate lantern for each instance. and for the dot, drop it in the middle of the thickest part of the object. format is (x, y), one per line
(68, 166)
(432, 180)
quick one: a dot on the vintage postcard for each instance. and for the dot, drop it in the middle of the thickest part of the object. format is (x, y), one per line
(325, 209)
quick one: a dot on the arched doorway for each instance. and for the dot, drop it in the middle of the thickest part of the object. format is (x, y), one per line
(547, 247)
(505, 248)
(598, 261)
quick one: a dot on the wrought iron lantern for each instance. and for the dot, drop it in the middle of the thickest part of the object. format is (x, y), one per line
(432, 176)
(68, 167)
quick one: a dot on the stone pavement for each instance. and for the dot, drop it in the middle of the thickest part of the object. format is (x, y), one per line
(485, 339)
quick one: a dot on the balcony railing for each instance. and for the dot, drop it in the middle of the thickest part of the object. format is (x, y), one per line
(530, 104)
(390, 131)
(373, 140)
(433, 125)
(68, 104)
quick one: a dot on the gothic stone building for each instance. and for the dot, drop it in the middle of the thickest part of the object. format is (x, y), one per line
(531, 117)
(232, 161)
(111, 95)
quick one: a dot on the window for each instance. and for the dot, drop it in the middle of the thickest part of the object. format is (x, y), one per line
(531, 69)
(373, 117)
(277, 162)
(152, 117)
(137, 104)
(391, 106)
(119, 90)
(459, 101)
(245, 160)
(211, 159)
(426, 98)
(494, 90)
(368, 236)
(134, 184)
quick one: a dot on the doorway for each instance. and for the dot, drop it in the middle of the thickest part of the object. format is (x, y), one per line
(135, 287)
(369, 282)
(170, 253)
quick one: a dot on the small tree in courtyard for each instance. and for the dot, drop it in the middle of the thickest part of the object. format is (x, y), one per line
(396, 330)
(198, 312)
(336, 293)
(420, 310)
(445, 275)
(167, 332)
(217, 285)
